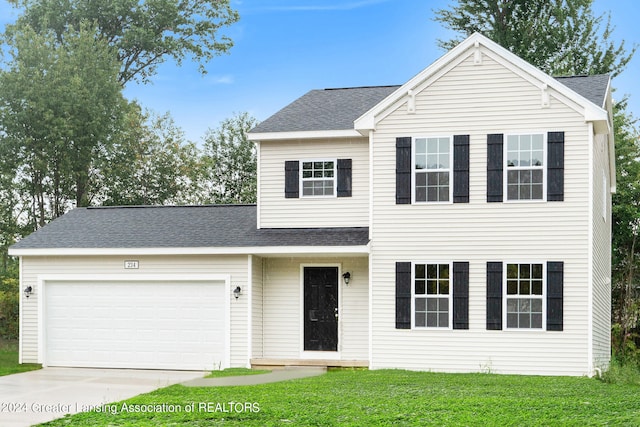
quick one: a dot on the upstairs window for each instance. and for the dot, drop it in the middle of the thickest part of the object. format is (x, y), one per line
(432, 169)
(318, 178)
(525, 167)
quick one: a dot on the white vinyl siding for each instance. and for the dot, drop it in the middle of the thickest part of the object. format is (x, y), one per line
(601, 298)
(282, 321)
(276, 211)
(184, 266)
(257, 307)
(478, 100)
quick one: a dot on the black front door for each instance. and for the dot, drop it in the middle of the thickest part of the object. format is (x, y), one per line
(321, 308)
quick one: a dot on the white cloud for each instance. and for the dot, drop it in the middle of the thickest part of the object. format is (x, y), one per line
(225, 79)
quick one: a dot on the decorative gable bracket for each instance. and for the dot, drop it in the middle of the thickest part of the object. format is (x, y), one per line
(411, 103)
(544, 96)
(477, 54)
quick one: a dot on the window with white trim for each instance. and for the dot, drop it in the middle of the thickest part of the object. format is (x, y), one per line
(525, 166)
(432, 292)
(432, 159)
(524, 297)
(318, 177)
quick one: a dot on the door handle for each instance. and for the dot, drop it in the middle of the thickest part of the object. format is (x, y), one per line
(336, 312)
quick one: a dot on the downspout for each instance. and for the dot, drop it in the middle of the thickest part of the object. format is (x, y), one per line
(590, 256)
(249, 310)
(371, 175)
(258, 185)
(20, 310)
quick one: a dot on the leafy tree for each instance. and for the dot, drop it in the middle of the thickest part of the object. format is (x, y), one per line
(561, 37)
(626, 230)
(9, 308)
(145, 33)
(60, 105)
(9, 225)
(229, 161)
(152, 165)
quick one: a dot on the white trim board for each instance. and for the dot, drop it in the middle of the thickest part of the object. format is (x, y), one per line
(315, 134)
(248, 250)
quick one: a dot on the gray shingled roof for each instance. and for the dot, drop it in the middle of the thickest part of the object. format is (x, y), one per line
(178, 227)
(594, 88)
(337, 109)
(326, 109)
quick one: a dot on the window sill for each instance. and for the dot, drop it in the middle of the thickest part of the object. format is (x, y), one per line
(525, 201)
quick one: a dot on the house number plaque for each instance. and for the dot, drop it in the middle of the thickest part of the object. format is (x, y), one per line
(131, 264)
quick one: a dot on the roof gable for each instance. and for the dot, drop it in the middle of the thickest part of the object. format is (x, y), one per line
(472, 46)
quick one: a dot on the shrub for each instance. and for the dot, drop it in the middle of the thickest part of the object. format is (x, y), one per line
(622, 371)
(625, 345)
(9, 308)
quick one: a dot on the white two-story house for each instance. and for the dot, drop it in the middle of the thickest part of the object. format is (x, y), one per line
(459, 223)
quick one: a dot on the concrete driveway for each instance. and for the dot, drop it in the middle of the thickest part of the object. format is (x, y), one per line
(38, 396)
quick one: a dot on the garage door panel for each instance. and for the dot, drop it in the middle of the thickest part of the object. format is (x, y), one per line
(135, 324)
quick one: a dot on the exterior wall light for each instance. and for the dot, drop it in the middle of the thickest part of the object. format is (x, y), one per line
(346, 277)
(237, 292)
(28, 291)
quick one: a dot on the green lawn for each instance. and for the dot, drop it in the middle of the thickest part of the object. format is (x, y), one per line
(386, 398)
(9, 359)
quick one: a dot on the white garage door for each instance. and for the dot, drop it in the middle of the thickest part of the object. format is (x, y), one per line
(144, 325)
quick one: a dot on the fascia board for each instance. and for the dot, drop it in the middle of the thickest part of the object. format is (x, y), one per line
(254, 250)
(316, 134)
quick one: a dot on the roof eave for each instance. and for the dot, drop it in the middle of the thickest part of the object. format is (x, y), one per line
(315, 134)
(236, 250)
(599, 117)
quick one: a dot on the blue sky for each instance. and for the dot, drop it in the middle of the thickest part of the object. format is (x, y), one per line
(283, 48)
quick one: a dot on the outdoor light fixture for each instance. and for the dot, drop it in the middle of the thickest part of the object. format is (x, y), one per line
(237, 292)
(346, 277)
(27, 291)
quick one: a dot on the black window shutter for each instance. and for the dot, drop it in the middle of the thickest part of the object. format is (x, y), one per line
(494, 296)
(461, 169)
(494, 167)
(403, 171)
(460, 295)
(555, 280)
(403, 295)
(344, 178)
(291, 179)
(555, 166)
